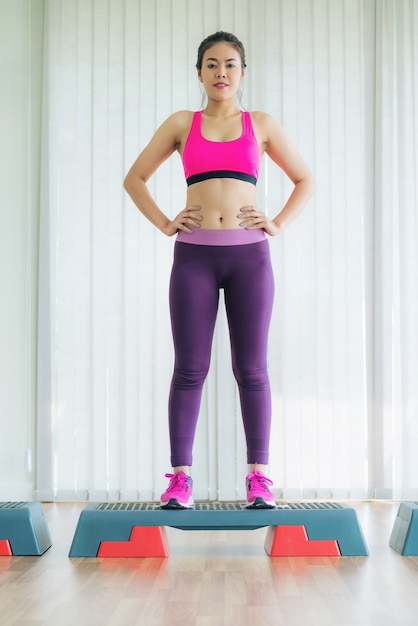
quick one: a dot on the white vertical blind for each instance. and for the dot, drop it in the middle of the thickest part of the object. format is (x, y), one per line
(341, 77)
(396, 262)
(21, 25)
(318, 363)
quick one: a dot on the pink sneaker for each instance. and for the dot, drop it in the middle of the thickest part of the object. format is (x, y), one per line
(259, 495)
(179, 494)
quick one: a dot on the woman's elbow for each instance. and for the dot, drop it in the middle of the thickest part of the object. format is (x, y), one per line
(310, 182)
(130, 182)
(127, 181)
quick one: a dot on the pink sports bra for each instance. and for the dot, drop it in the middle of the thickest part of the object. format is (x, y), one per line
(204, 159)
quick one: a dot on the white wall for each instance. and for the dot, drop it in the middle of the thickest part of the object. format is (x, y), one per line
(21, 24)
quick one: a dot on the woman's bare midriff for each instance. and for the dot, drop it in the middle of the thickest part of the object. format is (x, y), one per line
(220, 200)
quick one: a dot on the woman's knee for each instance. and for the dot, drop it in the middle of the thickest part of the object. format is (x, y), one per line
(251, 378)
(190, 378)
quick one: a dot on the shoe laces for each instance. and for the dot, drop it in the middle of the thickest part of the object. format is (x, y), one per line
(262, 480)
(179, 480)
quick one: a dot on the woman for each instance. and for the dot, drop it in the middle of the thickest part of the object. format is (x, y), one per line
(221, 244)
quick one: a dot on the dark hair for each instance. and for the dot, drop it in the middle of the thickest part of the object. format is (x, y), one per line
(216, 38)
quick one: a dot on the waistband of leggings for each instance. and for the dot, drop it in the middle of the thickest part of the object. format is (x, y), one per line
(208, 237)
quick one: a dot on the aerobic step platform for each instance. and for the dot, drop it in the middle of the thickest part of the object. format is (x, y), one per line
(23, 529)
(302, 529)
(404, 537)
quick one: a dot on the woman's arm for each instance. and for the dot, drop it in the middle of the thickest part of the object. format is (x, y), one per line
(164, 142)
(281, 150)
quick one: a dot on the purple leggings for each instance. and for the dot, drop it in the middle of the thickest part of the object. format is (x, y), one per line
(245, 274)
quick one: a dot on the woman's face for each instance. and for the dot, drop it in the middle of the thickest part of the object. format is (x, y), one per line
(221, 71)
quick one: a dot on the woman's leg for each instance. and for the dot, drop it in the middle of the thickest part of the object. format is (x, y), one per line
(249, 294)
(194, 298)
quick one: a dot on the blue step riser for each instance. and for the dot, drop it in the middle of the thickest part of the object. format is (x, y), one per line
(404, 537)
(97, 523)
(24, 526)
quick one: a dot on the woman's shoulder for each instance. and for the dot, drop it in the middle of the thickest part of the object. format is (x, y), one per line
(175, 126)
(266, 126)
(180, 119)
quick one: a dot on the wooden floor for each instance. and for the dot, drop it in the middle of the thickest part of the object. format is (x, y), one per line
(212, 578)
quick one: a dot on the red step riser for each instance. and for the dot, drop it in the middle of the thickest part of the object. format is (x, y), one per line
(293, 540)
(5, 549)
(145, 541)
